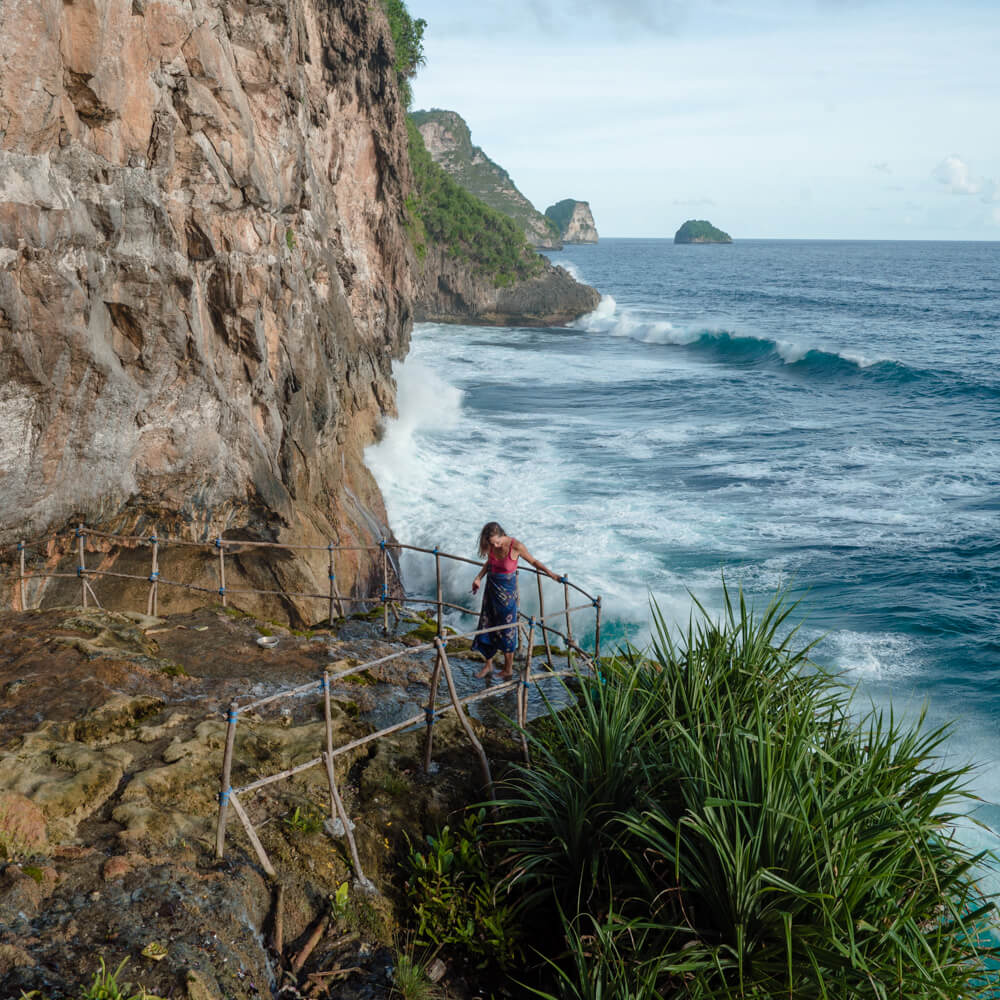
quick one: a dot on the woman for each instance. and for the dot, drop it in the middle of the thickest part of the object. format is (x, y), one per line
(500, 596)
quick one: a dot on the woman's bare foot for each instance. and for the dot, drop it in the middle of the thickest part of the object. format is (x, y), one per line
(506, 675)
(486, 671)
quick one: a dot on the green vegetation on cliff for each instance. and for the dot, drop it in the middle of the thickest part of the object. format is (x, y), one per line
(476, 173)
(408, 41)
(442, 212)
(700, 231)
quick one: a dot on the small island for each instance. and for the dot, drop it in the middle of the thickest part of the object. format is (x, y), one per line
(700, 231)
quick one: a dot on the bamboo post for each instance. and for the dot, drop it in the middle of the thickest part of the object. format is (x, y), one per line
(81, 567)
(154, 576)
(597, 633)
(333, 582)
(440, 598)
(278, 936)
(20, 552)
(522, 692)
(222, 569)
(342, 814)
(385, 588)
(463, 718)
(254, 839)
(225, 790)
(337, 809)
(544, 627)
(569, 626)
(429, 712)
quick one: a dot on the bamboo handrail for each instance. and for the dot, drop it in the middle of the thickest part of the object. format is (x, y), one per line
(333, 599)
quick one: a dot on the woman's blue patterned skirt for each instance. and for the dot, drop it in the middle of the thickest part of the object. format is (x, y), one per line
(499, 608)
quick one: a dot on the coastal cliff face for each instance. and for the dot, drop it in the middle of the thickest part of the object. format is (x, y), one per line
(575, 221)
(449, 141)
(203, 268)
(449, 291)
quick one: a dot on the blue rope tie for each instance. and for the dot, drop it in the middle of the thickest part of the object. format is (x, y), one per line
(531, 622)
(333, 578)
(80, 570)
(435, 550)
(322, 684)
(563, 579)
(526, 684)
(381, 544)
(232, 717)
(153, 577)
(429, 713)
(78, 533)
(385, 592)
(222, 591)
(330, 547)
(20, 546)
(224, 796)
(218, 542)
(595, 602)
(153, 539)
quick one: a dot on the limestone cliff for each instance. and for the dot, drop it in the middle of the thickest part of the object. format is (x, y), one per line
(203, 267)
(449, 291)
(574, 219)
(449, 141)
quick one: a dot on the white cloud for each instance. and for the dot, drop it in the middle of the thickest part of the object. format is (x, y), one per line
(954, 173)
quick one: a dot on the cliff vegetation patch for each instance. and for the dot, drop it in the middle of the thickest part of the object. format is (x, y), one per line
(442, 212)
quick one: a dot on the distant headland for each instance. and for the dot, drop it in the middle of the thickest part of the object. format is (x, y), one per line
(700, 231)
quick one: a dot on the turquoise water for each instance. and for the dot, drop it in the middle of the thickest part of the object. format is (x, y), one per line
(821, 416)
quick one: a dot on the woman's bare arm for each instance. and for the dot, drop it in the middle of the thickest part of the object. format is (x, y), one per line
(519, 548)
(479, 576)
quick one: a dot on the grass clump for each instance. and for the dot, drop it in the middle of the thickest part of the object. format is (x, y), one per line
(711, 820)
(306, 820)
(105, 986)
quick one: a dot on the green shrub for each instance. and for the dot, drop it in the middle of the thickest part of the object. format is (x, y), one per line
(713, 820)
(454, 900)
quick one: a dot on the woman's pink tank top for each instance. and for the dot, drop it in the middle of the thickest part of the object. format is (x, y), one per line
(506, 565)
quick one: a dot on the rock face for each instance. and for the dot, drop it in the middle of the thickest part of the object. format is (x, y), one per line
(449, 141)
(574, 219)
(203, 267)
(450, 292)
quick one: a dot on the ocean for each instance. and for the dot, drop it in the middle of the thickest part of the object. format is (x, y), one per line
(815, 416)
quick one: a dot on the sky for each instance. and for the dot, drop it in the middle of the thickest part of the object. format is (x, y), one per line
(810, 119)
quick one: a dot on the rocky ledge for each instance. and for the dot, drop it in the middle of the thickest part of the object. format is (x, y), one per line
(451, 292)
(111, 737)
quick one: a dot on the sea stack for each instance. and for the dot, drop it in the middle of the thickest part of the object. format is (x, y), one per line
(574, 219)
(701, 231)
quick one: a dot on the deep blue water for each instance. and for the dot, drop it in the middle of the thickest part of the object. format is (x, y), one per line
(823, 416)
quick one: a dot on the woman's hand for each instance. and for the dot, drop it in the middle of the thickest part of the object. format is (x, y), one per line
(475, 585)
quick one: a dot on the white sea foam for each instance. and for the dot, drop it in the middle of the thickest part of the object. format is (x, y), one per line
(881, 656)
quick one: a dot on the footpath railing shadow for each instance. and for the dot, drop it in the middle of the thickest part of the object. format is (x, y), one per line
(334, 605)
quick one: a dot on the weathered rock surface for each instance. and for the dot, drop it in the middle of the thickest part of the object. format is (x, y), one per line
(574, 219)
(110, 759)
(203, 269)
(449, 292)
(449, 141)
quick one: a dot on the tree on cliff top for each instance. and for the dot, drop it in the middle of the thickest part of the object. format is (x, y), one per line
(408, 40)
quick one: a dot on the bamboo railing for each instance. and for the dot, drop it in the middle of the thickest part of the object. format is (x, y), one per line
(334, 601)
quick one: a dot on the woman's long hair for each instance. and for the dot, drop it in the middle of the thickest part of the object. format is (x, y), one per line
(489, 530)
